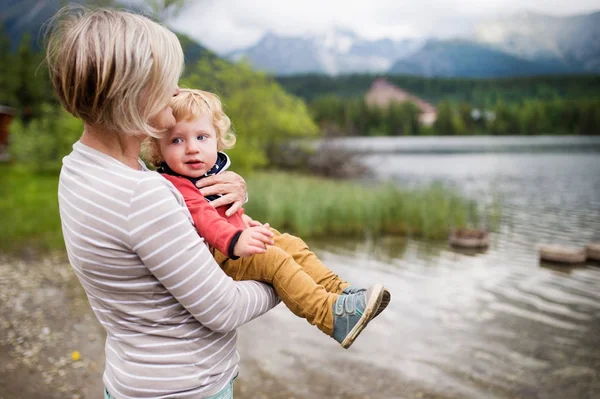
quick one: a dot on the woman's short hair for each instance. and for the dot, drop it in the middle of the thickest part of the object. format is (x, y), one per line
(188, 105)
(112, 68)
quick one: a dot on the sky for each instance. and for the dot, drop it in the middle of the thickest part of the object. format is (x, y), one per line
(226, 25)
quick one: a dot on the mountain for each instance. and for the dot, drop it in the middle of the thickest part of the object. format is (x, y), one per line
(521, 44)
(338, 51)
(573, 40)
(26, 16)
(18, 18)
(461, 58)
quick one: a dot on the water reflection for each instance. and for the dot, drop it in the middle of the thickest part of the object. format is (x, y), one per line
(493, 323)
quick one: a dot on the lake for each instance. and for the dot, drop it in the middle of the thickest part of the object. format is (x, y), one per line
(487, 324)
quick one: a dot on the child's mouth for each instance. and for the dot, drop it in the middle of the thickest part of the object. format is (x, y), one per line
(195, 164)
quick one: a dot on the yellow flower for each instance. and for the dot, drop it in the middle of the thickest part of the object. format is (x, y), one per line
(75, 356)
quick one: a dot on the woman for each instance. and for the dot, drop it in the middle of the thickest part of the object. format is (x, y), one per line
(169, 311)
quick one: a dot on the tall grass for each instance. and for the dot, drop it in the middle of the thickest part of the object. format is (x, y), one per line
(311, 206)
(304, 205)
(28, 210)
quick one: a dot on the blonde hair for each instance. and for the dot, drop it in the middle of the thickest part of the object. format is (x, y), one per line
(188, 105)
(112, 68)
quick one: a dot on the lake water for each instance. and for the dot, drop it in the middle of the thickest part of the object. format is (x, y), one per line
(489, 324)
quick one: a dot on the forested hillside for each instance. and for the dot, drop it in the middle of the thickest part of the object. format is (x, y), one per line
(477, 91)
(527, 106)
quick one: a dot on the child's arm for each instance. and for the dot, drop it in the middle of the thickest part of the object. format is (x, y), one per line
(249, 222)
(253, 240)
(161, 235)
(214, 228)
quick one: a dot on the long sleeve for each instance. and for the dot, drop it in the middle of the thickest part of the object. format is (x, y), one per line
(162, 235)
(170, 313)
(214, 228)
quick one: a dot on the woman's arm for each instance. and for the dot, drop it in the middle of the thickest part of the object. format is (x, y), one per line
(162, 235)
(231, 185)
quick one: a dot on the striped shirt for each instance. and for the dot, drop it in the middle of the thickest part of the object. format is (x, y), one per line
(169, 311)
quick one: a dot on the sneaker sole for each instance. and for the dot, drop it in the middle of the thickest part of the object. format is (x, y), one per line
(370, 312)
(385, 300)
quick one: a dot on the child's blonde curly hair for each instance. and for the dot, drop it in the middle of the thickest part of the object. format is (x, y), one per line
(188, 105)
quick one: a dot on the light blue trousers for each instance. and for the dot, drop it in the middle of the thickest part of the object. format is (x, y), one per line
(225, 393)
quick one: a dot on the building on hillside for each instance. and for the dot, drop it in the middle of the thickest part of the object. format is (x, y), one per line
(6, 116)
(382, 93)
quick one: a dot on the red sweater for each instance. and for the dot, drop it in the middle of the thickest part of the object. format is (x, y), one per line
(212, 224)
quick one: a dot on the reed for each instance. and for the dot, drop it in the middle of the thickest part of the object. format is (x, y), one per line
(300, 204)
(310, 206)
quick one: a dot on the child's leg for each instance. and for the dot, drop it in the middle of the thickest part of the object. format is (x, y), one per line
(301, 294)
(311, 264)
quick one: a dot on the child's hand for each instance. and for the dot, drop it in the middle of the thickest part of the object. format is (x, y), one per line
(249, 222)
(254, 240)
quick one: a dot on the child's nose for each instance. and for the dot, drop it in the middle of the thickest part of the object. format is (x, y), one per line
(192, 147)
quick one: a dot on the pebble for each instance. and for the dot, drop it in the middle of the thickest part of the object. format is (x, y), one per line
(33, 296)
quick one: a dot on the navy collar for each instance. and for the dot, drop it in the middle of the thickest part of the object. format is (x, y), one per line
(220, 165)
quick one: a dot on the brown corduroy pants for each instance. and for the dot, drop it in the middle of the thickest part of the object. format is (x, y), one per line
(306, 286)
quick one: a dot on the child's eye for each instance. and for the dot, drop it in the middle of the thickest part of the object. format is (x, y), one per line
(200, 138)
(176, 141)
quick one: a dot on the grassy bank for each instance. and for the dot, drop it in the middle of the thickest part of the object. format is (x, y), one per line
(300, 204)
(28, 210)
(311, 206)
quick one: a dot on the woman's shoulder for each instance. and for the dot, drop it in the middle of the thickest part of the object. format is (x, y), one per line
(151, 180)
(152, 191)
(91, 160)
(152, 183)
(84, 164)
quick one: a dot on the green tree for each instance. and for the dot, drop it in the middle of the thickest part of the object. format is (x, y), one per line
(7, 72)
(31, 82)
(357, 114)
(403, 119)
(43, 143)
(458, 125)
(506, 121)
(533, 118)
(483, 92)
(589, 122)
(105, 3)
(444, 124)
(464, 113)
(376, 121)
(165, 9)
(329, 112)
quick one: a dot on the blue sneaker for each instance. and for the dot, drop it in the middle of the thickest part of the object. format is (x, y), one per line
(387, 297)
(352, 313)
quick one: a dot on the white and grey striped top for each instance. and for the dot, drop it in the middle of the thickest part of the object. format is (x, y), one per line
(169, 311)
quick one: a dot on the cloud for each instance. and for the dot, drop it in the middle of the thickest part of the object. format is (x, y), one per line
(229, 24)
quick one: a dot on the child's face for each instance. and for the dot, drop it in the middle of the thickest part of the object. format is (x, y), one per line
(190, 147)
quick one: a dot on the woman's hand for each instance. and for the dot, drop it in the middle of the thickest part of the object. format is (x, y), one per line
(229, 184)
